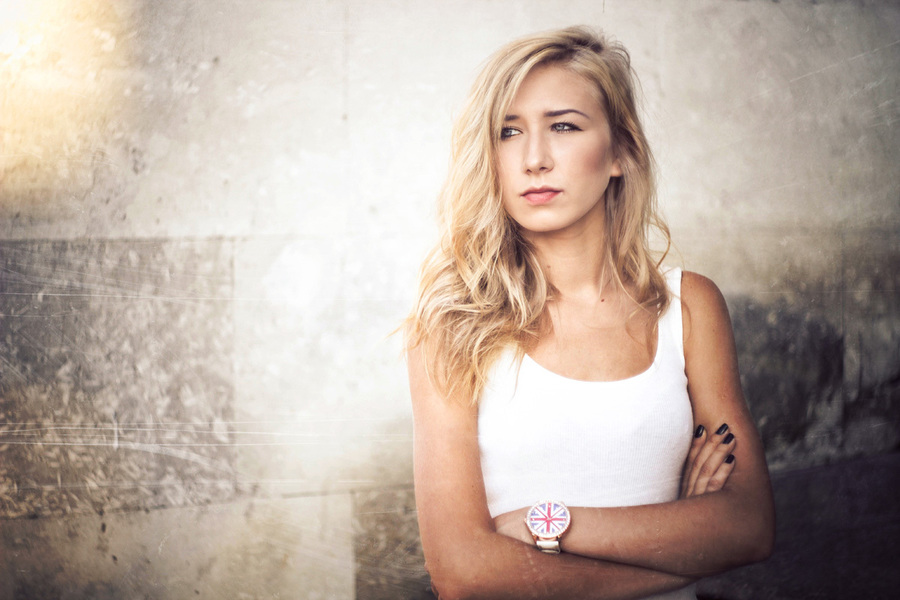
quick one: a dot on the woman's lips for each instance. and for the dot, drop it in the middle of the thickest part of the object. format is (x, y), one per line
(537, 197)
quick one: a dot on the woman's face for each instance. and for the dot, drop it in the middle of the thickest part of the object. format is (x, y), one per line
(554, 156)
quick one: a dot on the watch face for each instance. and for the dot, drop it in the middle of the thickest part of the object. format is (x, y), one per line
(548, 519)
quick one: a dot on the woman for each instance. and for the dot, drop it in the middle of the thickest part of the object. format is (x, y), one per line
(556, 371)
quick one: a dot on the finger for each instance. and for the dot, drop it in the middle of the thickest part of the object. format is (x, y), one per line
(716, 459)
(713, 463)
(717, 481)
(696, 444)
(712, 442)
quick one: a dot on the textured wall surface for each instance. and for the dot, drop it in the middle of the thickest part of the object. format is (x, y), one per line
(211, 218)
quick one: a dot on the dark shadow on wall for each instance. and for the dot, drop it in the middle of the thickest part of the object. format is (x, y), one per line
(791, 362)
(809, 409)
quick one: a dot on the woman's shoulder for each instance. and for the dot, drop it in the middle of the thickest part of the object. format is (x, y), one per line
(702, 303)
(698, 287)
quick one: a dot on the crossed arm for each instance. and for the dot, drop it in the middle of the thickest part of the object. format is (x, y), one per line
(609, 552)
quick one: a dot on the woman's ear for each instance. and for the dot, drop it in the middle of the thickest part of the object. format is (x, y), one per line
(616, 169)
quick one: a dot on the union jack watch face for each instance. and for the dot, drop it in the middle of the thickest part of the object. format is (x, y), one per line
(548, 519)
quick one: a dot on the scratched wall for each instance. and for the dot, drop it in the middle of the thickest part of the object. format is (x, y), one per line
(212, 213)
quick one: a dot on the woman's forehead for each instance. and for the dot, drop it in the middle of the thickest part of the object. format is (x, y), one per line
(549, 88)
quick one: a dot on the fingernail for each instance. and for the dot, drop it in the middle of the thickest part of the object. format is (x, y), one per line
(728, 438)
(730, 459)
(699, 431)
(722, 429)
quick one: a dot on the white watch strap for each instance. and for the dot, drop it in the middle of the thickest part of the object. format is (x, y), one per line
(550, 546)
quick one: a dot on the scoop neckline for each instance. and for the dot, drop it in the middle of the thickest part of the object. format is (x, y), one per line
(646, 372)
(650, 369)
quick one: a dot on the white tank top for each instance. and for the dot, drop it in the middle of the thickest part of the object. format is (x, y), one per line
(543, 436)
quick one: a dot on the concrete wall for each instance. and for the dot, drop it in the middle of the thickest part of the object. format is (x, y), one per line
(211, 217)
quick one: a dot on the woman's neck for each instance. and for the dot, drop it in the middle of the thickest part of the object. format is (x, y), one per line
(575, 264)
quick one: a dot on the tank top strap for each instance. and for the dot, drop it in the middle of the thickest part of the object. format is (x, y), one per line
(671, 328)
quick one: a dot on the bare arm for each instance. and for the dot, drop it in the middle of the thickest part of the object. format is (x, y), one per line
(706, 533)
(464, 554)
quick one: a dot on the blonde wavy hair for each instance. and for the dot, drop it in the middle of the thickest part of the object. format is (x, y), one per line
(481, 289)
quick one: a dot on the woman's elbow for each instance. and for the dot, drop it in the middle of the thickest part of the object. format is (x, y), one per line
(454, 591)
(452, 584)
(764, 542)
(759, 538)
(445, 590)
(456, 575)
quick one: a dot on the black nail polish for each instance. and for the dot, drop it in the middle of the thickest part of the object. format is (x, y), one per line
(699, 432)
(728, 438)
(722, 429)
(730, 459)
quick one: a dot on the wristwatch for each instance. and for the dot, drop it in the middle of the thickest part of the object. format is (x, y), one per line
(547, 521)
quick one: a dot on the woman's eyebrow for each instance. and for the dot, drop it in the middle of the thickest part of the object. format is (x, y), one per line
(551, 113)
(559, 113)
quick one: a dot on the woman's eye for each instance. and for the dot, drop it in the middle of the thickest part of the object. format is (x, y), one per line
(508, 132)
(565, 127)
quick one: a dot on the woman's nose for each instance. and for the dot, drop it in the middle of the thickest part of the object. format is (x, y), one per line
(537, 155)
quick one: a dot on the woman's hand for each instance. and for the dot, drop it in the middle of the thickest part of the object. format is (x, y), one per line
(709, 462)
(512, 524)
